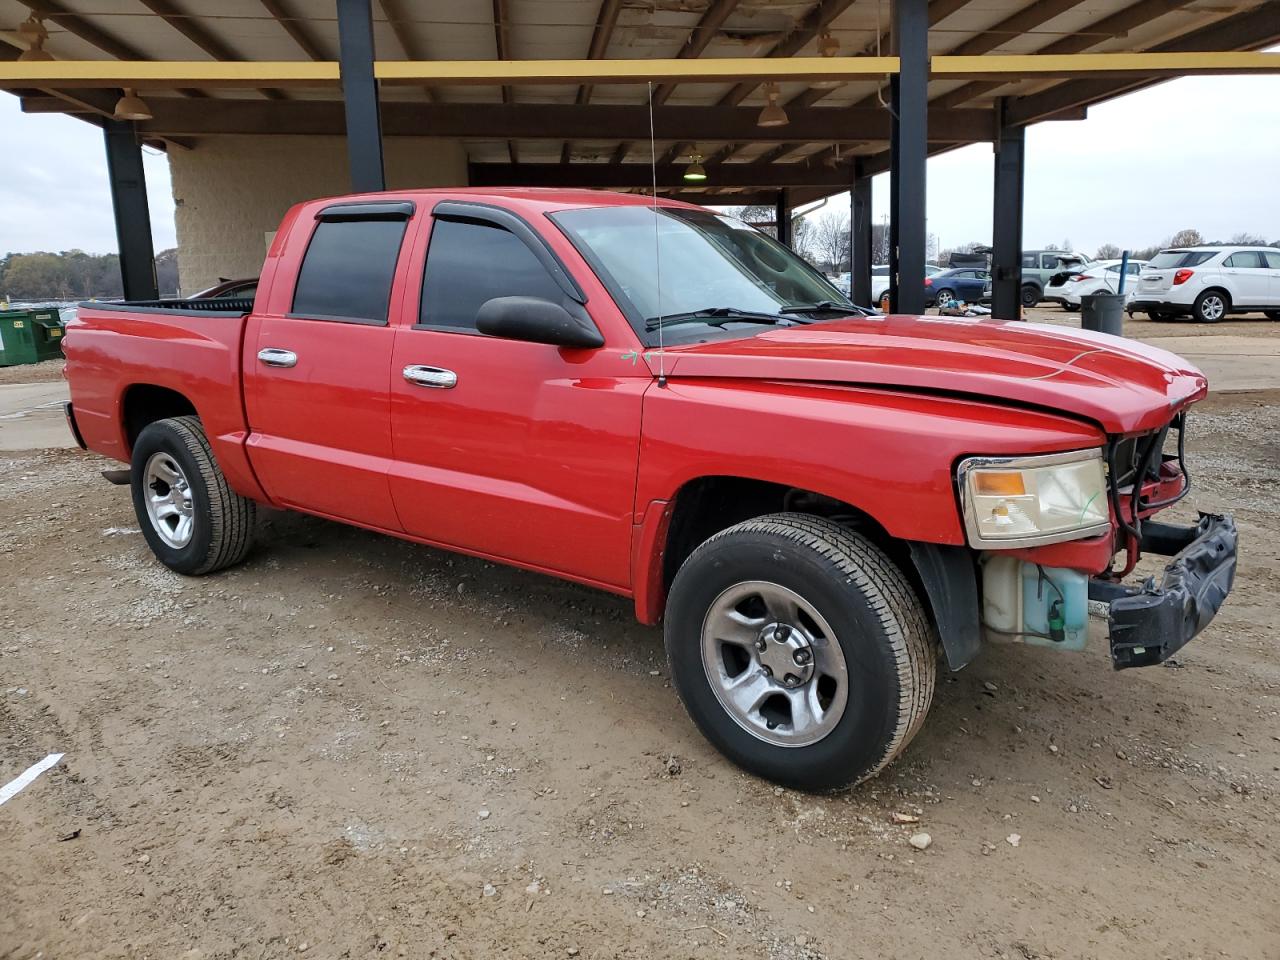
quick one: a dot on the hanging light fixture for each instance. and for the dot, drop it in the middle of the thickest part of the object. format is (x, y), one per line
(772, 115)
(132, 107)
(32, 32)
(695, 172)
(828, 46)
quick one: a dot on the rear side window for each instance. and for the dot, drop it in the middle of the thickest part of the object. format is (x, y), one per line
(469, 262)
(1029, 261)
(1273, 259)
(1246, 258)
(1181, 258)
(346, 274)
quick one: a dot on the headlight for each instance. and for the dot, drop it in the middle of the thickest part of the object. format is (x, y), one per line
(1027, 501)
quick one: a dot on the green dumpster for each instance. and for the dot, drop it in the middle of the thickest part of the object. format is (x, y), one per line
(29, 336)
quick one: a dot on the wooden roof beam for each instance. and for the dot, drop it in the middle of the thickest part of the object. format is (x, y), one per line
(614, 175)
(1135, 15)
(606, 21)
(191, 28)
(409, 47)
(296, 28)
(221, 117)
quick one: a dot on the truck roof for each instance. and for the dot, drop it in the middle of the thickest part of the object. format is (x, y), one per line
(541, 199)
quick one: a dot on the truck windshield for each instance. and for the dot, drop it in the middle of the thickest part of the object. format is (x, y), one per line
(711, 267)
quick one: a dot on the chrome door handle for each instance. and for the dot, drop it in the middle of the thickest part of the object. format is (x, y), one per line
(436, 377)
(275, 357)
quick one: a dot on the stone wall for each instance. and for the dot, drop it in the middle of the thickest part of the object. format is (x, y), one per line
(231, 192)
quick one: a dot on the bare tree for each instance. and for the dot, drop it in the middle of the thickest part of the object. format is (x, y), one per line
(827, 243)
(1245, 238)
(1186, 238)
(1108, 251)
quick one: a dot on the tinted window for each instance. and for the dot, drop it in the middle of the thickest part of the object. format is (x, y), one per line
(471, 262)
(1273, 259)
(1029, 261)
(1181, 258)
(1245, 258)
(348, 269)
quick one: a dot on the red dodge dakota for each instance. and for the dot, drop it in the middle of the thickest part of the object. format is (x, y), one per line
(659, 400)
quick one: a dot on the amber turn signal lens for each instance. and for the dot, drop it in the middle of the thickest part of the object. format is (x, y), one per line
(999, 483)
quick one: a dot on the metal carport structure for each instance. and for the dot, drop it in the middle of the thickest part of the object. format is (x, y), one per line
(556, 92)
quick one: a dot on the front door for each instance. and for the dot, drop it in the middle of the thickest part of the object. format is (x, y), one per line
(316, 369)
(524, 452)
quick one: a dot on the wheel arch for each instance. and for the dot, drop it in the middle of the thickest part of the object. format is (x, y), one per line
(142, 404)
(945, 577)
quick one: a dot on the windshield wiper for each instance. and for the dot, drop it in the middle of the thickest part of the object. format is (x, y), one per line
(717, 317)
(822, 306)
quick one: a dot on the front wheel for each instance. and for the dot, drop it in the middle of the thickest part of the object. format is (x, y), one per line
(1030, 295)
(1271, 314)
(192, 520)
(800, 650)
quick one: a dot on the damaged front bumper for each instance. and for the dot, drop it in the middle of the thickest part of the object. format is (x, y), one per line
(1150, 622)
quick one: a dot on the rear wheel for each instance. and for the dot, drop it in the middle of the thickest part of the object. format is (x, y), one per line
(1160, 317)
(193, 522)
(1071, 307)
(1030, 295)
(800, 650)
(945, 298)
(1272, 314)
(1211, 306)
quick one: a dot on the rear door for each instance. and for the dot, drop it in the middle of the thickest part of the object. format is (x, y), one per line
(525, 452)
(1248, 279)
(317, 365)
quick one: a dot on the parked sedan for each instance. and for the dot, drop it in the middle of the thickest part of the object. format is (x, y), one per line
(966, 283)
(1101, 276)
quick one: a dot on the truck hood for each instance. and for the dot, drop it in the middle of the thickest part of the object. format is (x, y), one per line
(1121, 384)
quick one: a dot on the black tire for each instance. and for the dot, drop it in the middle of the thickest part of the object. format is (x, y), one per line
(222, 521)
(1071, 307)
(944, 297)
(1160, 317)
(880, 627)
(1206, 301)
(1271, 314)
(1030, 295)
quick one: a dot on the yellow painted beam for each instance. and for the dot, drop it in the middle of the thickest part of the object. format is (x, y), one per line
(1011, 67)
(133, 73)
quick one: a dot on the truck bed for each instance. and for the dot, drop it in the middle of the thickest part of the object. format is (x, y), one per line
(158, 349)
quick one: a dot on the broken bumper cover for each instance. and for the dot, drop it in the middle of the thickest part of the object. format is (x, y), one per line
(1151, 622)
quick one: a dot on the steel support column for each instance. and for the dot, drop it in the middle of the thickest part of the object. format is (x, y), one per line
(782, 218)
(1006, 222)
(908, 152)
(360, 95)
(860, 239)
(132, 214)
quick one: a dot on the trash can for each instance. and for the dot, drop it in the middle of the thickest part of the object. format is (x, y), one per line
(1103, 312)
(29, 336)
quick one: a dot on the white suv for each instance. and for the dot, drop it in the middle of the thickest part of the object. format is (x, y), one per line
(1208, 283)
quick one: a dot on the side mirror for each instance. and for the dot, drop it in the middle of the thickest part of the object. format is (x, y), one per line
(536, 321)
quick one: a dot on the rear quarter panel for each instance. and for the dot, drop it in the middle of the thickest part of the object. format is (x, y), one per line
(197, 356)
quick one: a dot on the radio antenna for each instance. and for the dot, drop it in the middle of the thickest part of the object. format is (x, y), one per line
(657, 246)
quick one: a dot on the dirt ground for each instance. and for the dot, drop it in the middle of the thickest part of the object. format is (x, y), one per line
(355, 747)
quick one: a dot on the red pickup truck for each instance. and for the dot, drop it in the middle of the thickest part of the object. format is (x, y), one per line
(660, 401)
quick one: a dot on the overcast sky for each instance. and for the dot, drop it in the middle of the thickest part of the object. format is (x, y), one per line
(1198, 152)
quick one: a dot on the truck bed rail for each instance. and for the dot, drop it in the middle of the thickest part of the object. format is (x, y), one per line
(222, 307)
